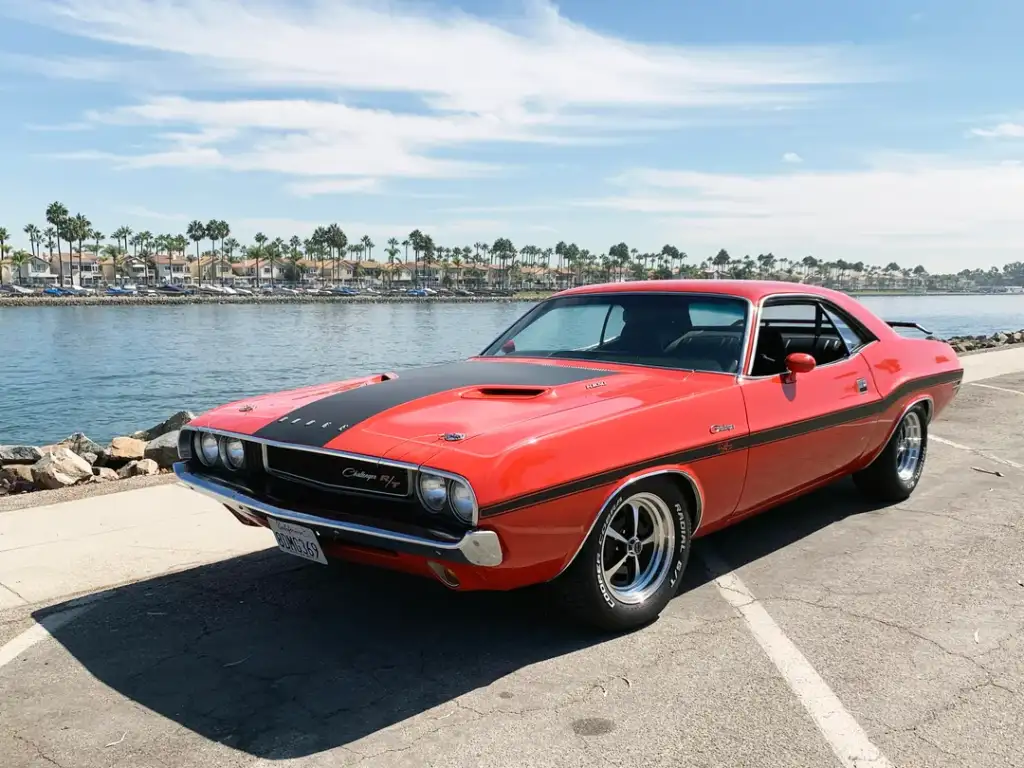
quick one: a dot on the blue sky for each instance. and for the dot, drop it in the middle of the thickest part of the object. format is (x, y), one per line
(870, 130)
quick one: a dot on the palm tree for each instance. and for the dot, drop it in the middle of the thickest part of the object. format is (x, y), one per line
(113, 252)
(196, 233)
(82, 230)
(229, 245)
(56, 217)
(17, 260)
(276, 252)
(261, 241)
(338, 240)
(34, 238)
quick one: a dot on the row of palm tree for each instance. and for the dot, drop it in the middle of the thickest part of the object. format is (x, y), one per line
(562, 264)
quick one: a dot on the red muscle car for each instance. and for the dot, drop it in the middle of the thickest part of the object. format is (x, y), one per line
(589, 444)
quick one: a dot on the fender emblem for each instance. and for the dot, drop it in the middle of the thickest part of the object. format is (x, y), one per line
(453, 437)
(597, 384)
(716, 428)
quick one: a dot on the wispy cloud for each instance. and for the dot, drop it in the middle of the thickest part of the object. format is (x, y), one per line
(540, 78)
(792, 157)
(909, 204)
(1001, 131)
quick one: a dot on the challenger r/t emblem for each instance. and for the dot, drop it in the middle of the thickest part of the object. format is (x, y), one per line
(716, 428)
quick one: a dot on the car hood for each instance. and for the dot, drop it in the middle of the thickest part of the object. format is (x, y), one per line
(400, 416)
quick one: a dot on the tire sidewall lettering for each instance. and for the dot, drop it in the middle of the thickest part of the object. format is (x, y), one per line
(599, 556)
(678, 567)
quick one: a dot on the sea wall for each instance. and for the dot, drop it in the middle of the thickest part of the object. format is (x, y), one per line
(977, 343)
(114, 301)
(78, 460)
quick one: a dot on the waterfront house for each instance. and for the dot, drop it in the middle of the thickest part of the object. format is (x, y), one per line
(245, 272)
(216, 269)
(73, 262)
(35, 273)
(172, 268)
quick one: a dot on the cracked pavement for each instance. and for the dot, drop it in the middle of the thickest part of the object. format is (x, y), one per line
(912, 614)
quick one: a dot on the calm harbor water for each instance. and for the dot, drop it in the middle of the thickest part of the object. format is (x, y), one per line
(112, 370)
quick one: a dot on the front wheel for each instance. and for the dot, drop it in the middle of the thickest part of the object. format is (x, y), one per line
(894, 475)
(631, 564)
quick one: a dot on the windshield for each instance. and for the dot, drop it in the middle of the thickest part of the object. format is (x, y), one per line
(667, 330)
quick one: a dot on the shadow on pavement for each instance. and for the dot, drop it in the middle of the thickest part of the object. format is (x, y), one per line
(281, 659)
(776, 529)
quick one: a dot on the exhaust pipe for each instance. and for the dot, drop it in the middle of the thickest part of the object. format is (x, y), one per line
(444, 574)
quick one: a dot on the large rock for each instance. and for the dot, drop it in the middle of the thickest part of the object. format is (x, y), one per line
(81, 444)
(19, 454)
(103, 475)
(125, 449)
(164, 449)
(172, 424)
(137, 468)
(59, 468)
(17, 477)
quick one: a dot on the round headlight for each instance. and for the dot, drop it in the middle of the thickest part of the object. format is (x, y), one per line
(232, 452)
(209, 449)
(462, 501)
(433, 491)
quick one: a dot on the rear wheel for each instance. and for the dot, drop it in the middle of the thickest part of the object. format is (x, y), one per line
(631, 564)
(894, 475)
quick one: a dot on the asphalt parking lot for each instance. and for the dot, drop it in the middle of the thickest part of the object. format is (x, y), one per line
(912, 616)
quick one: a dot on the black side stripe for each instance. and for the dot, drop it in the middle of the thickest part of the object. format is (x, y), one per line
(720, 447)
(316, 424)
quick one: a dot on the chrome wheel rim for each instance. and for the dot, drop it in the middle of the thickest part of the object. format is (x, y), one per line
(637, 546)
(908, 447)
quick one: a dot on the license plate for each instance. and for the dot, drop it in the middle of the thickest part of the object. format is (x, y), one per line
(297, 540)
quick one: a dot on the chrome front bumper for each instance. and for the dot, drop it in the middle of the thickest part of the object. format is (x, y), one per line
(476, 547)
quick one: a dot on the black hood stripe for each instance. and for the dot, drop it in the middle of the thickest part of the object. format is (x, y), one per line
(319, 422)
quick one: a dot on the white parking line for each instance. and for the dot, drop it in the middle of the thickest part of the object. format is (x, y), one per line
(44, 629)
(983, 454)
(848, 740)
(998, 389)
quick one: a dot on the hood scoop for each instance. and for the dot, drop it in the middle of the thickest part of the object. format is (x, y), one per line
(505, 392)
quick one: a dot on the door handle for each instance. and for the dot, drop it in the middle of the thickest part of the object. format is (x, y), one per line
(862, 386)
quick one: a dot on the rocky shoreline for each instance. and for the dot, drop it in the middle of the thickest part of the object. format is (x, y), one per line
(962, 344)
(116, 301)
(77, 460)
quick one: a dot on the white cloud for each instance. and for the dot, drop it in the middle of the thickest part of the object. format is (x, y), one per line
(792, 157)
(896, 207)
(539, 79)
(1000, 131)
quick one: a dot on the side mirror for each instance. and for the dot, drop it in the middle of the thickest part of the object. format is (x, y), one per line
(508, 347)
(798, 362)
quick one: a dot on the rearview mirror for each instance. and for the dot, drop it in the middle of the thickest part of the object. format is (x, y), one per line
(508, 347)
(798, 362)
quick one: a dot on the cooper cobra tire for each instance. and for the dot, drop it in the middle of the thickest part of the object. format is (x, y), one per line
(645, 531)
(894, 475)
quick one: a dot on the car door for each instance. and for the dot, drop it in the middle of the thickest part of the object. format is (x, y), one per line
(806, 426)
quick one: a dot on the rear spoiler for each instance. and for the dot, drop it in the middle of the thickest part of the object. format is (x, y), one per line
(908, 324)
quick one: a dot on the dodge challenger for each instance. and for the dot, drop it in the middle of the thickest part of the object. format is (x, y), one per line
(589, 444)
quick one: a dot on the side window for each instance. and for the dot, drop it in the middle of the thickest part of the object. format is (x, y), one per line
(802, 326)
(790, 314)
(853, 339)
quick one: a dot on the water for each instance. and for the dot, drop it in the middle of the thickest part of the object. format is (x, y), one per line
(112, 370)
